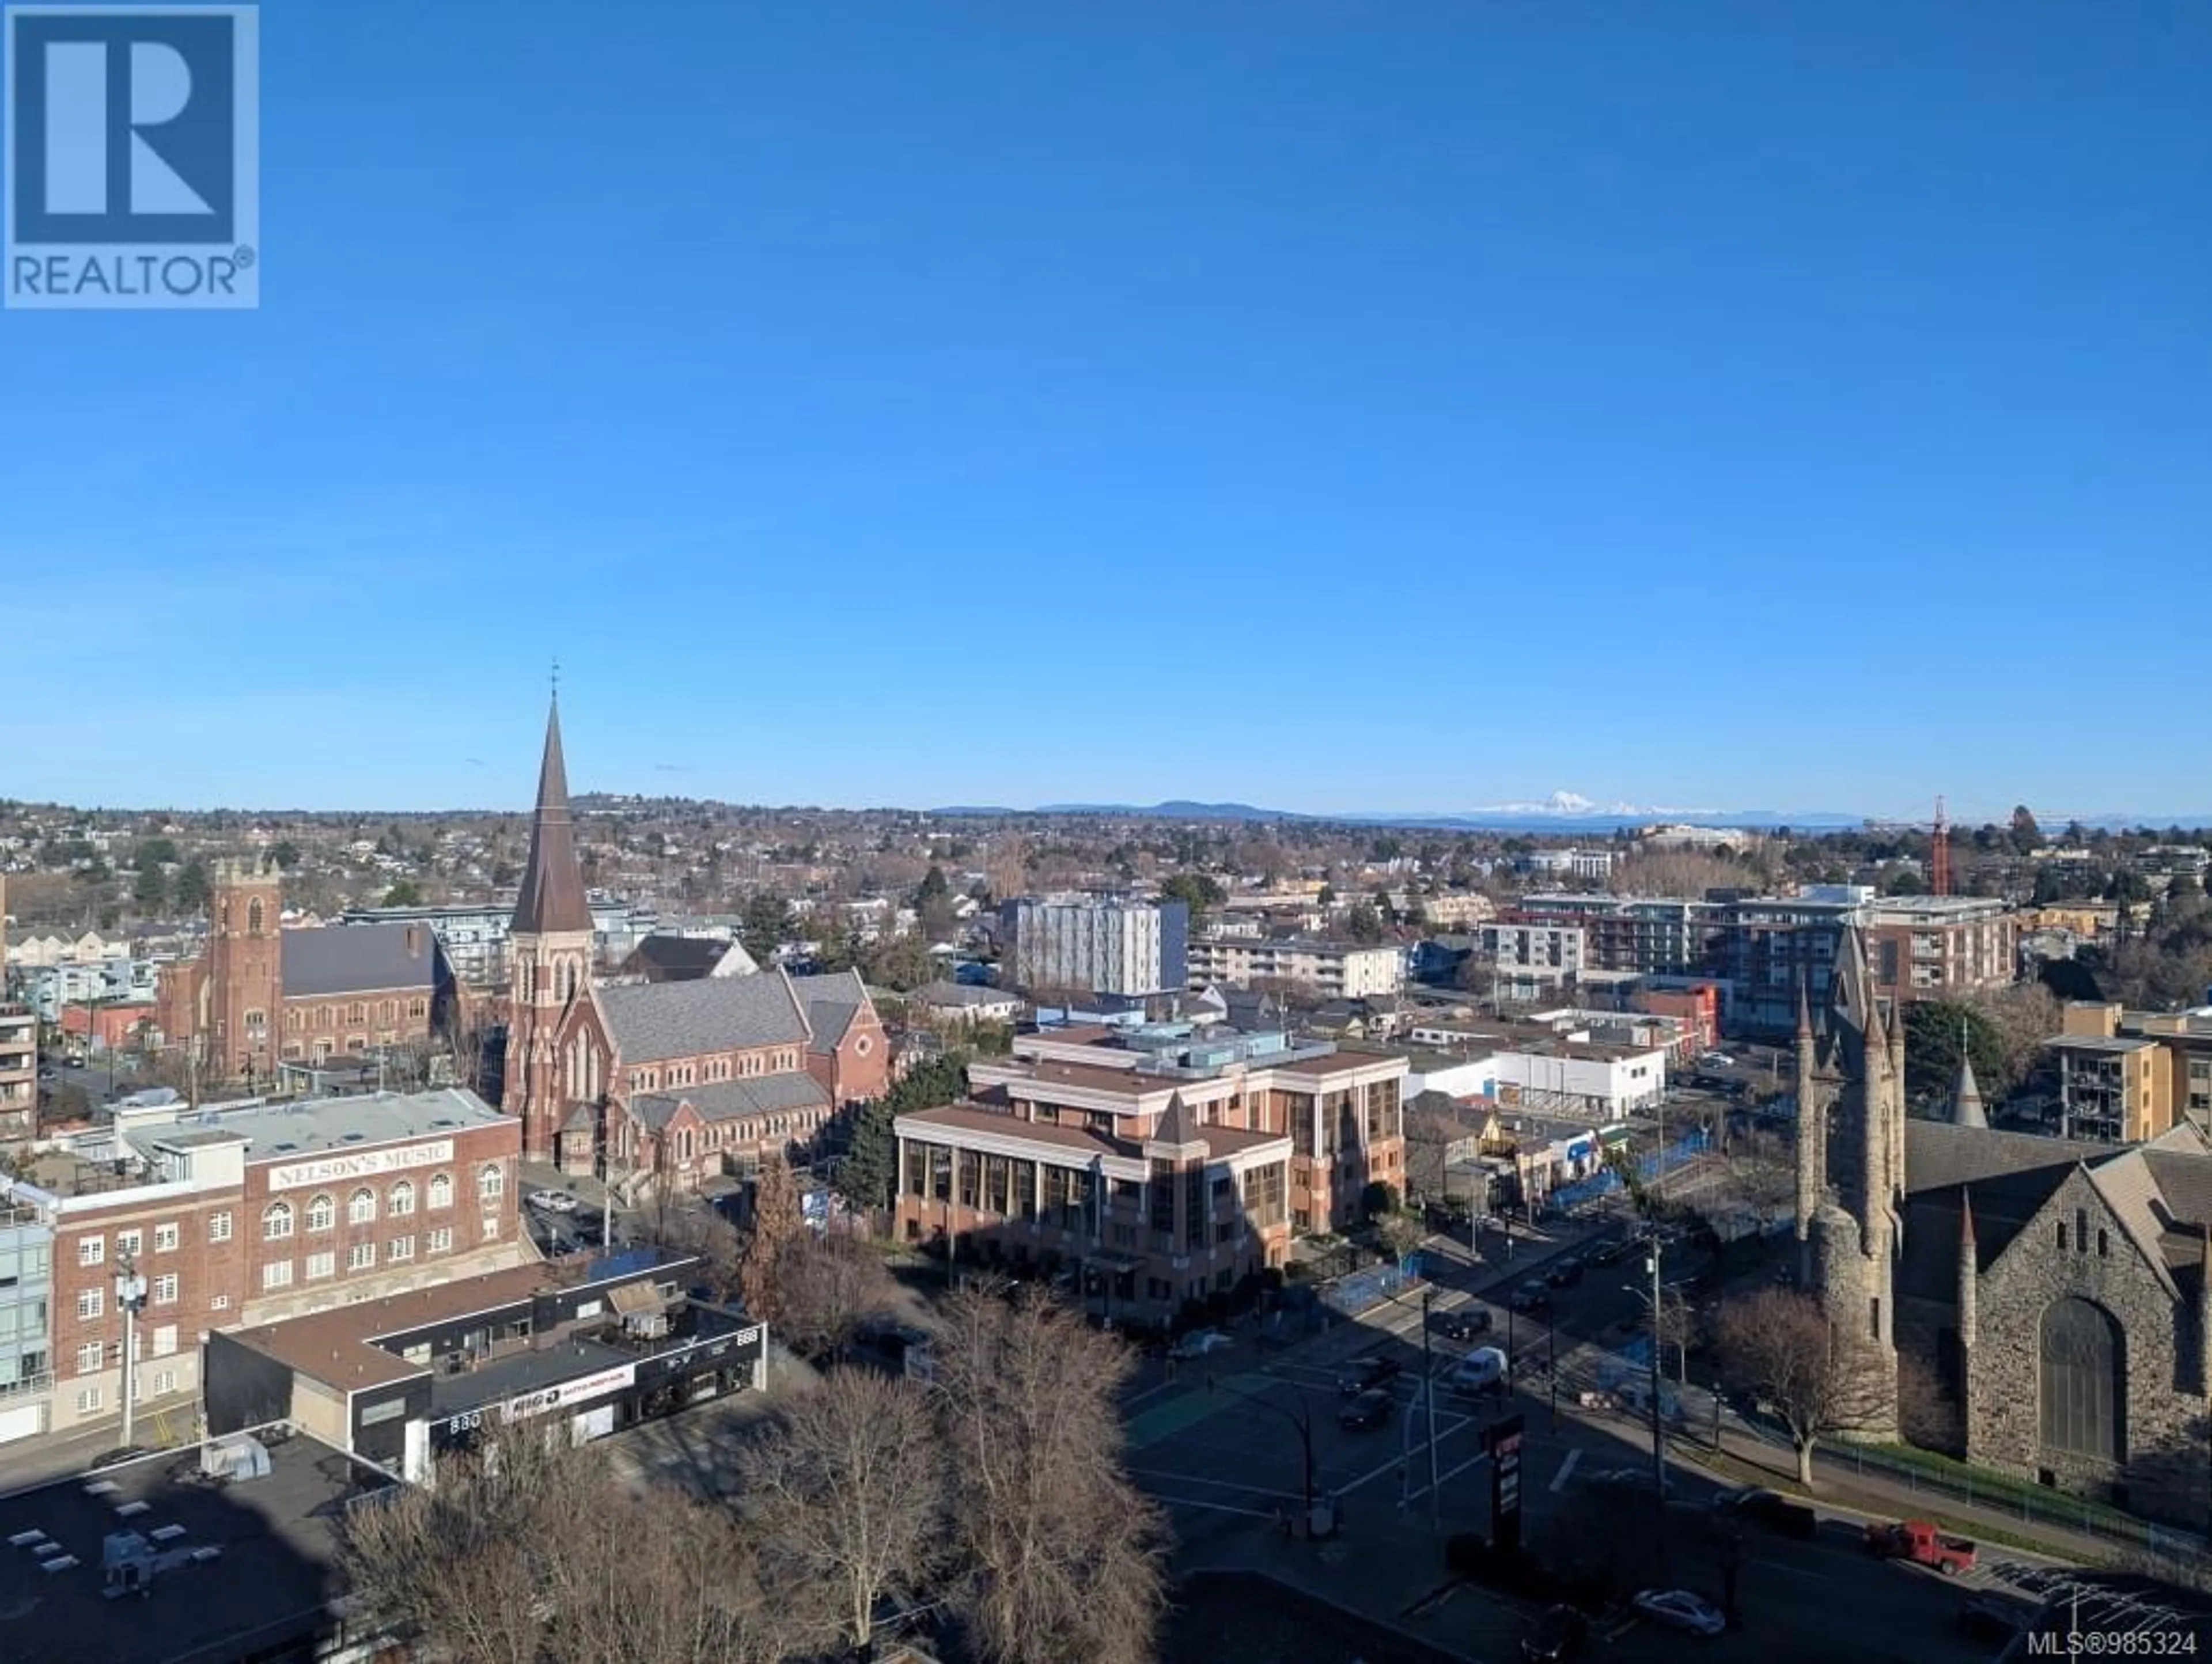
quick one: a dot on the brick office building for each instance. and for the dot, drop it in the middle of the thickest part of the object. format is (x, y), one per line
(249, 1217)
(676, 1080)
(258, 994)
(1161, 1187)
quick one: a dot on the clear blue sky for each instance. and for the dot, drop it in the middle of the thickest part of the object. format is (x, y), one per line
(1328, 405)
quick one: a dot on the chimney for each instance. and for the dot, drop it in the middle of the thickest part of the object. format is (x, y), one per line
(414, 941)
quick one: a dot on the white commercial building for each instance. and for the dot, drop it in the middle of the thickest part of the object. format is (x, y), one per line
(1339, 969)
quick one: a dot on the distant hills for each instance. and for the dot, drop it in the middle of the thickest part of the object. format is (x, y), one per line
(1563, 813)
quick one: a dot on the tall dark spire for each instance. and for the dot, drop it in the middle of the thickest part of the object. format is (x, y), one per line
(552, 899)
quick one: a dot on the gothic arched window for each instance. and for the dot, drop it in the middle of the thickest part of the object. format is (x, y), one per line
(2080, 1396)
(253, 917)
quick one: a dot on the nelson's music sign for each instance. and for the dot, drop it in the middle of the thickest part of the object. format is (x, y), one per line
(360, 1164)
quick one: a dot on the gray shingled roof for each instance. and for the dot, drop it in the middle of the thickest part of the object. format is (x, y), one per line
(734, 1100)
(358, 959)
(1940, 1155)
(2129, 1189)
(651, 1022)
(832, 1002)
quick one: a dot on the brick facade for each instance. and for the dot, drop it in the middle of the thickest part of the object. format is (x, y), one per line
(285, 1234)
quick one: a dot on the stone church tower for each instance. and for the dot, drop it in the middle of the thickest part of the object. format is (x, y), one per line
(244, 986)
(1850, 1172)
(549, 956)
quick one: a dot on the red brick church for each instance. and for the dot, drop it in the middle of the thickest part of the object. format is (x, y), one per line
(680, 1080)
(259, 994)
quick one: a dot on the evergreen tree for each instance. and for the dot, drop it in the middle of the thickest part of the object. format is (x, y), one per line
(870, 1168)
(777, 1223)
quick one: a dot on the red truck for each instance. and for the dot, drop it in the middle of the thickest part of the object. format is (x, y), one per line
(1918, 1541)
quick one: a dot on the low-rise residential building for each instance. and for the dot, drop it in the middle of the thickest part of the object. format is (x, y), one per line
(1449, 909)
(1346, 970)
(19, 1073)
(1160, 1167)
(201, 1222)
(1594, 864)
(48, 988)
(965, 1003)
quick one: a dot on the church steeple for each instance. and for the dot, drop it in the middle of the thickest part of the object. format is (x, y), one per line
(549, 955)
(552, 898)
(1967, 1098)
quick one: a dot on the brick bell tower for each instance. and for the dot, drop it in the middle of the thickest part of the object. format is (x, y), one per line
(549, 953)
(245, 986)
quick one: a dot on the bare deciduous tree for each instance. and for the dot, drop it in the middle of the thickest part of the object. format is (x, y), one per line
(827, 1287)
(1063, 1554)
(538, 1556)
(1762, 1174)
(848, 1496)
(1777, 1342)
(717, 1243)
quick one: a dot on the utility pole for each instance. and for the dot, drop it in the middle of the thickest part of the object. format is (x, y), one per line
(129, 1291)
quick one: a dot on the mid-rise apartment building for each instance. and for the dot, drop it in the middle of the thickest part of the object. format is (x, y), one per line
(1154, 1182)
(1662, 936)
(19, 1073)
(1341, 970)
(1938, 947)
(1526, 944)
(1096, 945)
(209, 1221)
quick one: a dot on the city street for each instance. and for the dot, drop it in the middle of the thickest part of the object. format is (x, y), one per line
(1221, 1447)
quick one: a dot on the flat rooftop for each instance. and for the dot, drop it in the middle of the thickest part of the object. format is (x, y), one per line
(2099, 1042)
(523, 1372)
(271, 1581)
(337, 1346)
(320, 1125)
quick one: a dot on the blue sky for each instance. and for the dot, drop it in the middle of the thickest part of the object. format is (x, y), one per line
(1323, 404)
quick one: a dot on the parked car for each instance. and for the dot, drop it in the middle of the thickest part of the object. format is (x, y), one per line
(1197, 1343)
(1920, 1542)
(1770, 1509)
(1370, 1371)
(1564, 1273)
(1612, 1251)
(1464, 1324)
(1716, 1061)
(1679, 1609)
(1367, 1411)
(1557, 1635)
(48, 1072)
(1532, 1296)
(551, 1201)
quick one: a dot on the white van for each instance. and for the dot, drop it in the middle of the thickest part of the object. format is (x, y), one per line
(1481, 1370)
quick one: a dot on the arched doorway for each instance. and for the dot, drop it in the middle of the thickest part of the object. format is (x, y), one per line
(2079, 1396)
